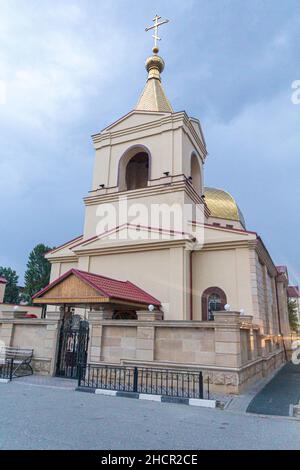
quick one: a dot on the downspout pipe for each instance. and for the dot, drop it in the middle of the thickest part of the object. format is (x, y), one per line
(191, 286)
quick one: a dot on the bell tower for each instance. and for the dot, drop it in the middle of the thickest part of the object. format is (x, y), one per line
(152, 155)
(141, 213)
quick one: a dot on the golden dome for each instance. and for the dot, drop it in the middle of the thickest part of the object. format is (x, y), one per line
(153, 97)
(155, 62)
(223, 206)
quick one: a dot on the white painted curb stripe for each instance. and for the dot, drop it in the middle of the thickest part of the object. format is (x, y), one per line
(199, 402)
(100, 391)
(143, 396)
(4, 381)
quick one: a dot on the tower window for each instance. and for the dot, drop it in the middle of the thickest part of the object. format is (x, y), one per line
(134, 169)
(137, 171)
(196, 174)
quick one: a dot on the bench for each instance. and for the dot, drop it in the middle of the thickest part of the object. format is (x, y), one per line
(19, 358)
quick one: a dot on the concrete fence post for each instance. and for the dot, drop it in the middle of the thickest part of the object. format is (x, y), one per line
(228, 339)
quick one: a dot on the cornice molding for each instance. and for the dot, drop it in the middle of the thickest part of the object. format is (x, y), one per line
(166, 123)
(153, 245)
(158, 189)
(225, 245)
(63, 259)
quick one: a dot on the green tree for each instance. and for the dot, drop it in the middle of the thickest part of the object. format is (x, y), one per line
(11, 295)
(38, 271)
(293, 317)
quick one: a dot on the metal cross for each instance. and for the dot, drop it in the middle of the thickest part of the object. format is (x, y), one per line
(156, 25)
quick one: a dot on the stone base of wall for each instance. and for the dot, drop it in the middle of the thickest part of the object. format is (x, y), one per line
(225, 380)
(259, 369)
(41, 366)
(228, 350)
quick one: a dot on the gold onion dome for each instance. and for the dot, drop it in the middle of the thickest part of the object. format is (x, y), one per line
(223, 206)
(153, 97)
(155, 65)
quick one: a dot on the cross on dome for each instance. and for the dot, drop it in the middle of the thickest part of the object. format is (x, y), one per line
(156, 25)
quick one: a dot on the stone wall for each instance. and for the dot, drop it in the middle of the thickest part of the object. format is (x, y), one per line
(228, 351)
(188, 345)
(36, 334)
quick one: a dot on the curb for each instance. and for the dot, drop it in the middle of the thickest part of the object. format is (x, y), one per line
(4, 381)
(148, 397)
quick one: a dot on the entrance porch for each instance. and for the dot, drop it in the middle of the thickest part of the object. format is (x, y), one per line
(83, 297)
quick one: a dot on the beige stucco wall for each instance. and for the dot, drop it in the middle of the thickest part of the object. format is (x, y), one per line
(59, 268)
(161, 135)
(167, 144)
(228, 269)
(159, 272)
(142, 207)
(2, 291)
(263, 286)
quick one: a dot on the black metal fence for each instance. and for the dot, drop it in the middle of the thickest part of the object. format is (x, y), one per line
(6, 368)
(167, 382)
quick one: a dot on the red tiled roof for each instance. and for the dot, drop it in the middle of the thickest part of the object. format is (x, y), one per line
(3, 280)
(293, 291)
(107, 287)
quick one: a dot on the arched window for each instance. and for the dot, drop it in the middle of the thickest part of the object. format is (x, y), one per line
(134, 169)
(213, 300)
(196, 174)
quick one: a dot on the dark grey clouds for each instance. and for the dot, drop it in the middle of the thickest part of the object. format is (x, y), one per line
(72, 67)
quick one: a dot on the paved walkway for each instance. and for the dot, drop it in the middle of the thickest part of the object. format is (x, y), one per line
(47, 381)
(46, 416)
(275, 398)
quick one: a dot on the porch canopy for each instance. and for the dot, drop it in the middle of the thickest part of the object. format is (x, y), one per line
(82, 289)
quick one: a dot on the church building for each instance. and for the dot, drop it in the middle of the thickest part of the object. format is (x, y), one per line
(166, 272)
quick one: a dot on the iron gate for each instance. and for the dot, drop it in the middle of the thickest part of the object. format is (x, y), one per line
(73, 347)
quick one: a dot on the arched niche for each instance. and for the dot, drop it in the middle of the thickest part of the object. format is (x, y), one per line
(196, 174)
(213, 300)
(134, 169)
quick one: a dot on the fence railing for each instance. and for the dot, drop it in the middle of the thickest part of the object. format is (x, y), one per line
(6, 368)
(167, 382)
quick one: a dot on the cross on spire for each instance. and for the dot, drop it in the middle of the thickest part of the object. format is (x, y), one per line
(156, 25)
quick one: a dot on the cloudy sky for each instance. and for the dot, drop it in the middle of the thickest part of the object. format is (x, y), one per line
(70, 67)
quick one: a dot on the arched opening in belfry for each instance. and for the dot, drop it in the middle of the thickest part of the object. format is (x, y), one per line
(137, 170)
(134, 169)
(196, 174)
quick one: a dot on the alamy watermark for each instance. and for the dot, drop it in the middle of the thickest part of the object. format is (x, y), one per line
(131, 221)
(296, 352)
(295, 98)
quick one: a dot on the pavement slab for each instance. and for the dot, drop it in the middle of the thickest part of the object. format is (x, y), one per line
(44, 417)
(277, 396)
